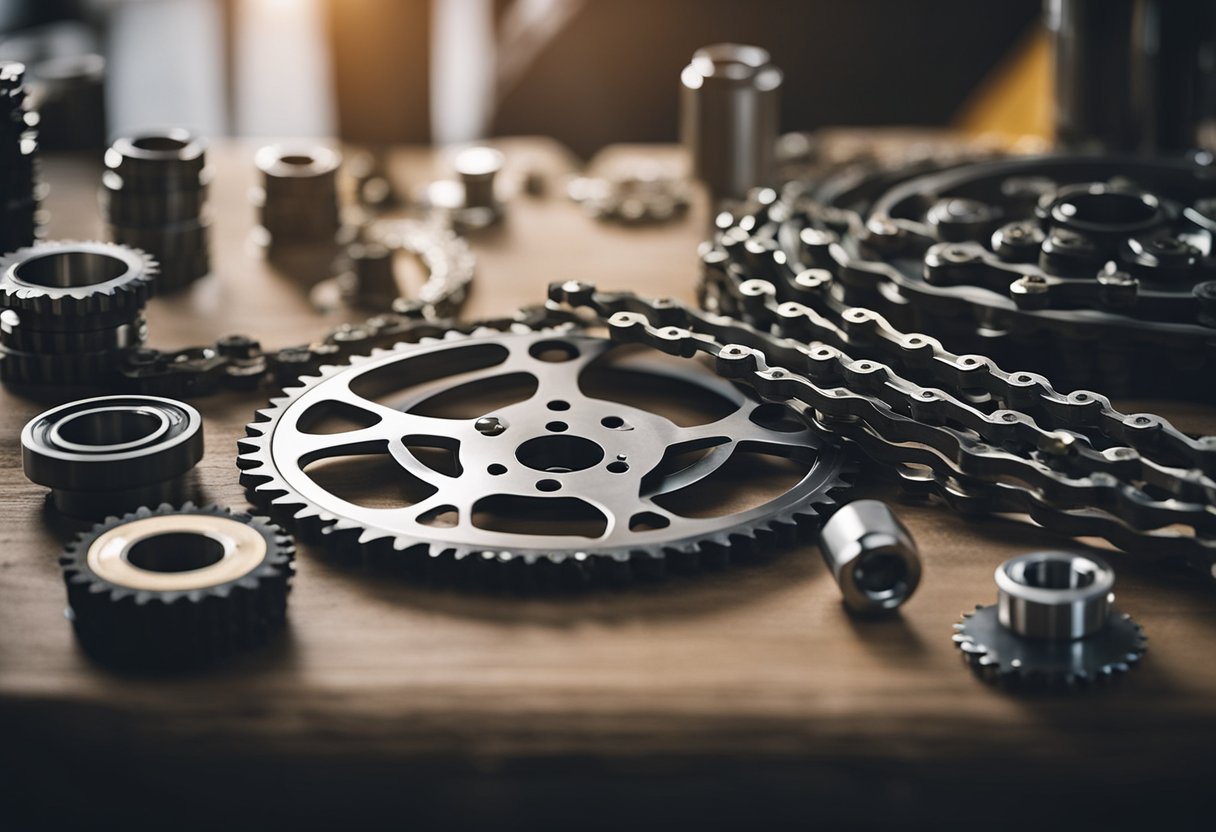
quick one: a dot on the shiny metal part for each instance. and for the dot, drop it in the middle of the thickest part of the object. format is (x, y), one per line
(1066, 467)
(70, 311)
(871, 555)
(518, 476)
(112, 454)
(471, 201)
(1131, 76)
(1054, 595)
(730, 102)
(298, 198)
(635, 199)
(172, 586)
(21, 219)
(1053, 624)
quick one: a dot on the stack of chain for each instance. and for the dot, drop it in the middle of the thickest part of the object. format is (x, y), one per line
(1071, 461)
(19, 187)
(154, 194)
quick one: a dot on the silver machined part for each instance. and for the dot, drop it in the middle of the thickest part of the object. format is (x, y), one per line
(633, 199)
(557, 453)
(871, 555)
(1053, 624)
(1054, 595)
(730, 101)
(369, 271)
(470, 200)
(112, 454)
(446, 258)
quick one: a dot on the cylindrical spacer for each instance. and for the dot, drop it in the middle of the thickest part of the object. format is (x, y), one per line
(477, 168)
(298, 197)
(729, 117)
(872, 556)
(1054, 595)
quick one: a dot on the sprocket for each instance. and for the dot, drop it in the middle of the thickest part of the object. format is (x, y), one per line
(554, 487)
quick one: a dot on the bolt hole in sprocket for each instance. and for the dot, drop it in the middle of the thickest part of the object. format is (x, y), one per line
(536, 459)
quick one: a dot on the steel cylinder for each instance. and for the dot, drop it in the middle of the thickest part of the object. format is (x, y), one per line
(730, 112)
(872, 556)
(1054, 595)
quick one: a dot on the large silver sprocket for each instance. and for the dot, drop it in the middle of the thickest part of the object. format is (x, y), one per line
(558, 444)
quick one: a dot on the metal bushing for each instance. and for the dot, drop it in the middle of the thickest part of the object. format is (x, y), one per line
(871, 555)
(112, 454)
(154, 194)
(298, 198)
(730, 100)
(1054, 624)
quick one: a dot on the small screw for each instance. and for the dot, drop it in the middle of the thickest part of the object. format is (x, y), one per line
(490, 426)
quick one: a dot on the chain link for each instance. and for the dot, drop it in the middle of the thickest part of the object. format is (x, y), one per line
(971, 461)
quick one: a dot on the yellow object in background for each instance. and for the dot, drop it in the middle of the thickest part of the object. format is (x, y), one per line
(1015, 101)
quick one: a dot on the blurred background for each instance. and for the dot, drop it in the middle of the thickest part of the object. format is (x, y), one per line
(586, 72)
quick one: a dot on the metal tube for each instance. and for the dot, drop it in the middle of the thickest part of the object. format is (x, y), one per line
(729, 117)
(872, 556)
(1131, 75)
(1054, 595)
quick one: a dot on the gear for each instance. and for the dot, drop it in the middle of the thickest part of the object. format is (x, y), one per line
(1053, 625)
(176, 586)
(66, 280)
(556, 487)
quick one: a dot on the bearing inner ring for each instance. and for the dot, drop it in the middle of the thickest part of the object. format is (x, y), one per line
(228, 550)
(1054, 595)
(70, 269)
(109, 429)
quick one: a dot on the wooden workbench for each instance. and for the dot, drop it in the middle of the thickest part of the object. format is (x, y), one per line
(722, 699)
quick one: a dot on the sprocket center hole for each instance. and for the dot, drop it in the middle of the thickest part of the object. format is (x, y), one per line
(70, 269)
(559, 454)
(175, 552)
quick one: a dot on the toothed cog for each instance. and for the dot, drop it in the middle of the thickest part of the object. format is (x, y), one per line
(537, 452)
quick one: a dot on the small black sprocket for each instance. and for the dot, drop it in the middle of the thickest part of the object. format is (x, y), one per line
(177, 586)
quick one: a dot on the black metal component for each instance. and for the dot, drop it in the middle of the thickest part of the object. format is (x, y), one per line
(112, 454)
(20, 189)
(980, 439)
(1132, 75)
(169, 587)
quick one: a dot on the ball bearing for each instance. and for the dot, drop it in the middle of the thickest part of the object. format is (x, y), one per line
(112, 454)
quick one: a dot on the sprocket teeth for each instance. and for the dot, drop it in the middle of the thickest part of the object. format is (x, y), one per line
(1026, 674)
(509, 570)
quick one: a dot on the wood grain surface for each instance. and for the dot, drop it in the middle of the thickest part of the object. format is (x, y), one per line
(726, 699)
